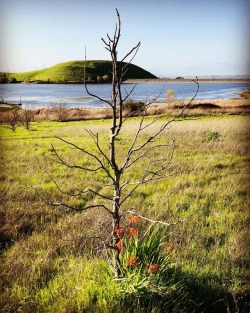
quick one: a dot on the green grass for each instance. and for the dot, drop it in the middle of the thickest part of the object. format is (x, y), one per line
(73, 71)
(49, 263)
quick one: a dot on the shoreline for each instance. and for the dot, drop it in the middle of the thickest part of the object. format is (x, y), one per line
(189, 80)
(234, 106)
(143, 80)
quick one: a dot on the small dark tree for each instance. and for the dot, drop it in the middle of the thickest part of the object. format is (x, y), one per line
(13, 80)
(4, 78)
(108, 160)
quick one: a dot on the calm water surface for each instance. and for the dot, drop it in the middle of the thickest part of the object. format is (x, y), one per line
(75, 95)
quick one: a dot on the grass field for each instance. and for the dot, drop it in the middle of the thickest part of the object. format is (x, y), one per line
(50, 259)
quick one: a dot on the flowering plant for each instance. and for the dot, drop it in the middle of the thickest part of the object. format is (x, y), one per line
(146, 260)
(143, 255)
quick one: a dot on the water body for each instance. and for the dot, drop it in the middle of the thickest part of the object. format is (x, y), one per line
(74, 95)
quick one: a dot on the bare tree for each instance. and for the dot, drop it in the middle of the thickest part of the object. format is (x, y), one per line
(26, 117)
(110, 161)
(12, 118)
(60, 110)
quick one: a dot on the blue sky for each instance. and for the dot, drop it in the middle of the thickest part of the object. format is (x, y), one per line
(178, 37)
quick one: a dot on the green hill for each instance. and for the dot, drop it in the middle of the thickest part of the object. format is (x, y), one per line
(73, 71)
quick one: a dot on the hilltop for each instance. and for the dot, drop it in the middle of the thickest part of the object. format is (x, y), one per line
(73, 72)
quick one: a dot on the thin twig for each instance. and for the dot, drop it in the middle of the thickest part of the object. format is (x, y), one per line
(158, 221)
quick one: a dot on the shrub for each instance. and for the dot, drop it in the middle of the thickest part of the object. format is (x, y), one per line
(26, 116)
(105, 78)
(12, 80)
(27, 80)
(133, 106)
(213, 136)
(60, 110)
(12, 118)
(3, 78)
(99, 79)
(146, 262)
(170, 97)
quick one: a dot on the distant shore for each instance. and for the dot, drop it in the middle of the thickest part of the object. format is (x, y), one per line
(188, 80)
(141, 80)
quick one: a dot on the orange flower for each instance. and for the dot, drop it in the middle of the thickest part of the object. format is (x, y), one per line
(132, 261)
(133, 232)
(169, 248)
(153, 268)
(119, 245)
(120, 231)
(134, 219)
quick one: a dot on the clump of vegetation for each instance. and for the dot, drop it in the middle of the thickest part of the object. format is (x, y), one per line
(59, 109)
(171, 98)
(4, 78)
(15, 117)
(12, 80)
(147, 266)
(12, 118)
(26, 117)
(213, 136)
(132, 106)
(103, 79)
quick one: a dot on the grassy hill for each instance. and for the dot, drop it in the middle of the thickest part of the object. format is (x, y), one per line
(73, 71)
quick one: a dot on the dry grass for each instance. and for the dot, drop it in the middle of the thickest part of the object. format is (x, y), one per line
(203, 107)
(199, 107)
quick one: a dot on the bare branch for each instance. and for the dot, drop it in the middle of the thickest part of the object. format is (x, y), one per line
(62, 162)
(158, 221)
(127, 165)
(100, 195)
(88, 190)
(88, 153)
(160, 130)
(128, 94)
(136, 48)
(69, 193)
(133, 142)
(117, 33)
(85, 83)
(145, 180)
(80, 208)
(95, 96)
(95, 137)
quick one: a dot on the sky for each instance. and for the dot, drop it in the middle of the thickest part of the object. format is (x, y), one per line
(178, 37)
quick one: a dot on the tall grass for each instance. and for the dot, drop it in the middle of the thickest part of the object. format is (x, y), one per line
(49, 257)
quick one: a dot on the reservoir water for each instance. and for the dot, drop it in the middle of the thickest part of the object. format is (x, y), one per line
(74, 95)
